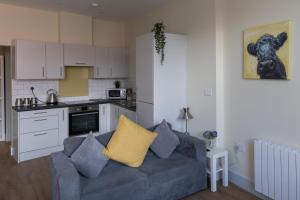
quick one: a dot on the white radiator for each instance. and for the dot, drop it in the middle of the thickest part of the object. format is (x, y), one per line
(277, 170)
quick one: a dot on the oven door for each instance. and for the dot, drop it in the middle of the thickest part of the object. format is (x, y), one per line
(83, 122)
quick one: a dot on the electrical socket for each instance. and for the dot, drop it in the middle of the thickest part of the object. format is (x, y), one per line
(240, 147)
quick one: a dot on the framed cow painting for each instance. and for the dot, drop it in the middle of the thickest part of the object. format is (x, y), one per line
(267, 51)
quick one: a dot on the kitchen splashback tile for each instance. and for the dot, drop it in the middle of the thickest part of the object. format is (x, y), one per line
(97, 87)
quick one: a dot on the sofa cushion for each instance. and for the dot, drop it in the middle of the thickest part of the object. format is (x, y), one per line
(165, 142)
(130, 143)
(72, 143)
(115, 182)
(88, 158)
(166, 170)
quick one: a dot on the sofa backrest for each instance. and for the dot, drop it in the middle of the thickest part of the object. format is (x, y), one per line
(72, 143)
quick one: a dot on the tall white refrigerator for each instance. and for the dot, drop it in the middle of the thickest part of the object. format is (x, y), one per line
(161, 89)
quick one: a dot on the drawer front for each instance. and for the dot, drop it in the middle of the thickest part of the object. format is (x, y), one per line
(38, 140)
(38, 124)
(39, 113)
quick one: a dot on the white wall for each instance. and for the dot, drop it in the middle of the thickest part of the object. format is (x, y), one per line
(34, 24)
(74, 28)
(265, 109)
(26, 23)
(196, 19)
(108, 33)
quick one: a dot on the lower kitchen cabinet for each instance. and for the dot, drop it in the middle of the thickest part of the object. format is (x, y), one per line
(114, 116)
(116, 111)
(104, 118)
(39, 133)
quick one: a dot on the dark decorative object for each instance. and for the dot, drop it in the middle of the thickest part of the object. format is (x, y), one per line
(117, 84)
(211, 137)
(269, 64)
(160, 39)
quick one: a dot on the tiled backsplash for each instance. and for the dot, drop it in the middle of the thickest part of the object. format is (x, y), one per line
(21, 89)
(97, 87)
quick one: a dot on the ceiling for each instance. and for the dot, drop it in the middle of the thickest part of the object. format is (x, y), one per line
(107, 9)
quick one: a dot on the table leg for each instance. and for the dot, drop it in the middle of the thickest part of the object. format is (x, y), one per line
(213, 174)
(225, 170)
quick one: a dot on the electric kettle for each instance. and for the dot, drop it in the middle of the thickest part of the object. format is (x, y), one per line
(52, 97)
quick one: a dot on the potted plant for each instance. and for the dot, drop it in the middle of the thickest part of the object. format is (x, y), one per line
(211, 137)
(117, 84)
(160, 39)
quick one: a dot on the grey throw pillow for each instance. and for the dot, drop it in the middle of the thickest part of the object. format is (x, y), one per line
(165, 142)
(88, 158)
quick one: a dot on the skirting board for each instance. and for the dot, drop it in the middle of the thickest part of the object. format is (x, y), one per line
(245, 184)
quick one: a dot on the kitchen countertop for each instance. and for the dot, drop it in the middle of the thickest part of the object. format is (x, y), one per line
(130, 105)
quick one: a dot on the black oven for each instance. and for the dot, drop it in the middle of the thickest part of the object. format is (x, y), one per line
(83, 119)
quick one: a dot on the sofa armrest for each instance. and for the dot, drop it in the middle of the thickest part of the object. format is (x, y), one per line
(191, 147)
(65, 178)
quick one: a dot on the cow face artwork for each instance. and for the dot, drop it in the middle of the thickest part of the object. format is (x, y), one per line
(269, 64)
(267, 51)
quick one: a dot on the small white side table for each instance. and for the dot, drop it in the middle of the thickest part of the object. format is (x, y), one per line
(213, 156)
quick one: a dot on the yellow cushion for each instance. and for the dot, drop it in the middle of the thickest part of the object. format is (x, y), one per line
(129, 143)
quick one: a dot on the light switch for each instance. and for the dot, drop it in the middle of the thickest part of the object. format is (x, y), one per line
(208, 92)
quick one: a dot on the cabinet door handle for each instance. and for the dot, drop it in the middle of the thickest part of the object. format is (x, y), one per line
(84, 114)
(63, 115)
(43, 71)
(38, 113)
(39, 120)
(40, 134)
(80, 63)
(61, 71)
(103, 111)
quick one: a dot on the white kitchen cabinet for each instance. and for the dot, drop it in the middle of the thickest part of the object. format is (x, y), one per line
(128, 113)
(104, 118)
(110, 63)
(54, 61)
(63, 125)
(39, 133)
(118, 62)
(79, 55)
(38, 140)
(30, 59)
(116, 111)
(114, 116)
(102, 68)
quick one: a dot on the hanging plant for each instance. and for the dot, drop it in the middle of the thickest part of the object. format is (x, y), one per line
(160, 39)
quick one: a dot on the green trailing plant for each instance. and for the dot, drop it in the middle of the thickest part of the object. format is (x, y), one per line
(160, 40)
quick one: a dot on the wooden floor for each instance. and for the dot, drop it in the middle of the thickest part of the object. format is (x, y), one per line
(30, 180)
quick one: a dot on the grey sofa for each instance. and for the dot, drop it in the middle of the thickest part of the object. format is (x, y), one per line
(182, 174)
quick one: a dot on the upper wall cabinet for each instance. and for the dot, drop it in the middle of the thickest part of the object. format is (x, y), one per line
(110, 63)
(54, 61)
(101, 69)
(30, 59)
(37, 60)
(118, 62)
(79, 55)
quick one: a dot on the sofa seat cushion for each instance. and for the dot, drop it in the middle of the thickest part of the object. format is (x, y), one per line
(165, 170)
(116, 181)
